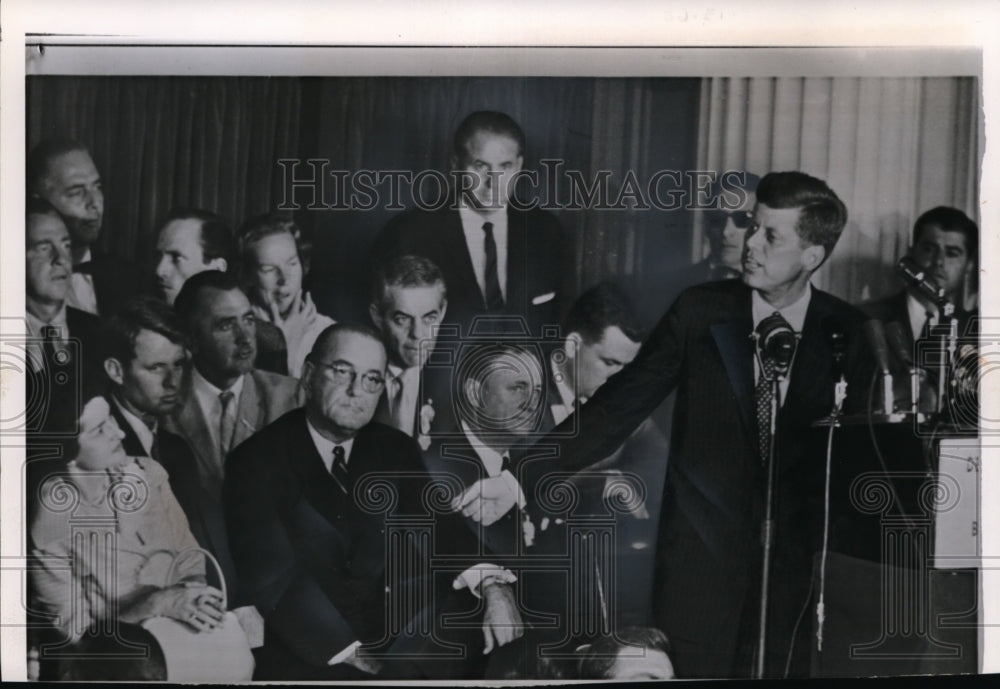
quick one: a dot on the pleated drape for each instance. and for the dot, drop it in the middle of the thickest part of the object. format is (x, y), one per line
(890, 147)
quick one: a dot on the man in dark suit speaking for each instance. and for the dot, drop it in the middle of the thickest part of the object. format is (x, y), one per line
(310, 501)
(707, 584)
(496, 258)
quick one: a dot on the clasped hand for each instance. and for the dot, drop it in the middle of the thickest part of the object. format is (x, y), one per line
(487, 500)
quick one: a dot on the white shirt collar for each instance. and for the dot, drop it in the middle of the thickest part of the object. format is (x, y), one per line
(566, 393)
(35, 324)
(918, 314)
(144, 432)
(491, 459)
(325, 446)
(208, 395)
(794, 313)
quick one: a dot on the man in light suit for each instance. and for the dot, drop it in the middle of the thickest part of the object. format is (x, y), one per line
(308, 502)
(496, 258)
(708, 558)
(62, 172)
(225, 400)
(146, 362)
(409, 301)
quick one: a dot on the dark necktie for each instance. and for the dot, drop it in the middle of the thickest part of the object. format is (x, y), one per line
(494, 297)
(339, 469)
(764, 398)
(49, 339)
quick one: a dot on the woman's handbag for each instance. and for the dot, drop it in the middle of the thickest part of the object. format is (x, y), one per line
(221, 655)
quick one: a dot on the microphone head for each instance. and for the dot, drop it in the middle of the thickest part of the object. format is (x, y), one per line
(915, 276)
(776, 341)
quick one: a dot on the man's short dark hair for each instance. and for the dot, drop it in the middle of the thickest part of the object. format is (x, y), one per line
(216, 237)
(257, 228)
(489, 121)
(822, 216)
(141, 313)
(603, 306)
(331, 331)
(39, 206)
(600, 657)
(41, 156)
(408, 270)
(950, 220)
(188, 298)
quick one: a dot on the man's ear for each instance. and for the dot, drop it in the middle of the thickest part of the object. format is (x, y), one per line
(443, 310)
(376, 317)
(813, 257)
(115, 371)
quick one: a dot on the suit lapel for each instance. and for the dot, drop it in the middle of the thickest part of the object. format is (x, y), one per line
(458, 251)
(811, 377)
(517, 257)
(189, 422)
(130, 443)
(732, 337)
(319, 488)
(251, 413)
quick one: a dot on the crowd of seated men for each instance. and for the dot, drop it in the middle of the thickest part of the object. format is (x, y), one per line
(356, 486)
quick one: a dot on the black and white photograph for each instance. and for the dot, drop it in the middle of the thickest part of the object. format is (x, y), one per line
(459, 360)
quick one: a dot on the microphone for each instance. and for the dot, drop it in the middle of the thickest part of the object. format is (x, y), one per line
(875, 333)
(837, 337)
(915, 276)
(776, 340)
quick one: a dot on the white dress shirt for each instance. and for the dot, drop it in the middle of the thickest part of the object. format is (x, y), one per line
(81, 294)
(794, 313)
(475, 237)
(36, 329)
(207, 396)
(410, 379)
(560, 412)
(918, 315)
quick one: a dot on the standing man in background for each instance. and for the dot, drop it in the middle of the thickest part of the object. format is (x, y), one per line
(496, 259)
(62, 172)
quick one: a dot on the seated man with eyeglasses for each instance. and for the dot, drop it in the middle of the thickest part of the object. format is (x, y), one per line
(331, 522)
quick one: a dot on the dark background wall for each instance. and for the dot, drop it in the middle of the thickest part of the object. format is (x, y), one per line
(215, 143)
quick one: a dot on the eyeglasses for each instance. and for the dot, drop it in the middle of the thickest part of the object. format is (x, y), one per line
(344, 375)
(741, 219)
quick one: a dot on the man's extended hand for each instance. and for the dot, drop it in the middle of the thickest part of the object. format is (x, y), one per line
(487, 499)
(502, 621)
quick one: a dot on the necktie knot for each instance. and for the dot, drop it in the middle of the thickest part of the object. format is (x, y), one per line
(339, 469)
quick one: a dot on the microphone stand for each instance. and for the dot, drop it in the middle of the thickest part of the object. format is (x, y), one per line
(781, 370)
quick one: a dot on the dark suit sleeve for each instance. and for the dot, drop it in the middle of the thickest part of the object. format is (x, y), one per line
(257, 498)
(619, 406)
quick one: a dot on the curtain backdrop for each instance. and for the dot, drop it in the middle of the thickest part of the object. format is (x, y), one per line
(214, 143)
(165, 142)
(890, 148)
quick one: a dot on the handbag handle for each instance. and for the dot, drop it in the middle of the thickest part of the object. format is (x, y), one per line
(179, 557)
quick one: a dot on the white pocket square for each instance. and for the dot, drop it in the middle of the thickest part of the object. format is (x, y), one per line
(542, 298)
